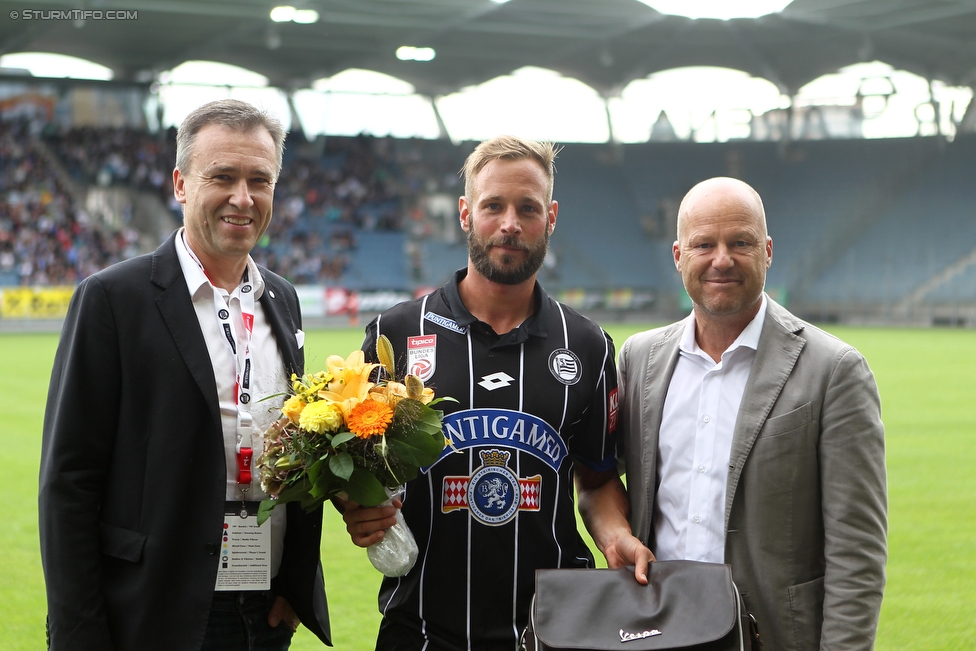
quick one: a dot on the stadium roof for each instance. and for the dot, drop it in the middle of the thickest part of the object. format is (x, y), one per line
(604, 43)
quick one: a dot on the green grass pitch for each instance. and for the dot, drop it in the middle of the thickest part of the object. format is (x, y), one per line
(928, 395)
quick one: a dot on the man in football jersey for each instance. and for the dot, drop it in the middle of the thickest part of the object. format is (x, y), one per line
(537, 408)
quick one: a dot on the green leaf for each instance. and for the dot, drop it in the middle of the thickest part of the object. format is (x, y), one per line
(415, 447)
(313, 471)
(341, 465)
(365, 489)
(326, 485)
(311, 503)
(293, 493)
(341, 438)
(264, 510)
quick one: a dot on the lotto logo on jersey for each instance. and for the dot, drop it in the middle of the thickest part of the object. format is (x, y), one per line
(612, 411)
(493, 493)
(421, 356)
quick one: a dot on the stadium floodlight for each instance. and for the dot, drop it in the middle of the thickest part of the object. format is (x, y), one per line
(289, 14)
(306, 16)
(283, 14)
(720, 9)
(411, 53)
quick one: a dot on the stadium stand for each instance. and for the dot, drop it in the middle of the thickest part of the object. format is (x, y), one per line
(859, 226)
(927, 226)
(45, 237)
(121, 156)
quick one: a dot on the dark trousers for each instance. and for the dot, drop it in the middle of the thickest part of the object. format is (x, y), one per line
(239, 622)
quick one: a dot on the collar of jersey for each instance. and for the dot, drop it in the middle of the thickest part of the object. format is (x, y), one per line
(534, 326)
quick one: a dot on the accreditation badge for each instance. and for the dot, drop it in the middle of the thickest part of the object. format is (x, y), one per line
(245, 549)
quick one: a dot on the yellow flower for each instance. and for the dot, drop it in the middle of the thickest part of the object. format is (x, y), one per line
(369, 418)
(350, 383)
(393, 392)
(320, 417)
(308, 386)
(293, 408)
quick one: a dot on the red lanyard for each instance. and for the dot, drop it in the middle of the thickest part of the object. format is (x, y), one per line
(244, 367)
(243, 363)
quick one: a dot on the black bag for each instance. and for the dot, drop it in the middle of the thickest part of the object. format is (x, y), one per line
(685, 605)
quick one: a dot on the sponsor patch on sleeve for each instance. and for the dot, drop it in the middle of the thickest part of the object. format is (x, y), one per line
(612, 411)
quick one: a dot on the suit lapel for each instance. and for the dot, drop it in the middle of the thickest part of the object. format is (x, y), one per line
(283, 325)
(176, 309)
(661, 359)
(779, 348)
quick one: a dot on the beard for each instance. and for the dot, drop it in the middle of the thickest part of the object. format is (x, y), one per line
(506, 271)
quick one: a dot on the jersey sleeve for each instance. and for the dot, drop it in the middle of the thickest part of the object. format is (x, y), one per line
(369, 341)
(594, 439)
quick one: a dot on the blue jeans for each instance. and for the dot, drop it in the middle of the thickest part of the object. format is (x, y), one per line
(239, 622)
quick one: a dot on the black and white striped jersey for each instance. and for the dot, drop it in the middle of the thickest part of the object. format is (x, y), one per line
(499, 503)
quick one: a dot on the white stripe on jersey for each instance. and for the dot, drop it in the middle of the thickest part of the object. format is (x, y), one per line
(515, 565)
(518, 473)
(562, 422)
(602, 382)
(423, 570)
(467, 607)
(562, 317)
(423, 311)
(430, 526)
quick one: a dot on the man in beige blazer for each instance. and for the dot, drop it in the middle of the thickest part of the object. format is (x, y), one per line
(753, 438)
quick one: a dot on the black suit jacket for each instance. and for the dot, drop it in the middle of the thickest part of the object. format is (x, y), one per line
(131, 490)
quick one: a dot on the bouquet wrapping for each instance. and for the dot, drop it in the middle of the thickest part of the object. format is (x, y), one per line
(353, 430)
(396, 553)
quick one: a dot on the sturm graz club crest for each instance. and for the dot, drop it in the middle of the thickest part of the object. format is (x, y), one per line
(565, 366)
(493, 493)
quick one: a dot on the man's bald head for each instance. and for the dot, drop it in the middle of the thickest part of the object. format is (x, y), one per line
(721, 190)
(723, 251)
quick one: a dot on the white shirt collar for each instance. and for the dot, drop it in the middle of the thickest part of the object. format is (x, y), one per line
(749, 337)
(196, 279)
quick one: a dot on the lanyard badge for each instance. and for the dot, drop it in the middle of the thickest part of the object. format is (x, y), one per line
(245, 453)
(242, 389)
(240, 352)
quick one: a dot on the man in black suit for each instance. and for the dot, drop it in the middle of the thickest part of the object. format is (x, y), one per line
(146, 482)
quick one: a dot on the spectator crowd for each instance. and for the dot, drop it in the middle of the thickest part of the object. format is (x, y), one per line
(46, 238)
(330, 189)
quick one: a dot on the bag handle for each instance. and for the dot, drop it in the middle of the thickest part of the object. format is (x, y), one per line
(738, 615)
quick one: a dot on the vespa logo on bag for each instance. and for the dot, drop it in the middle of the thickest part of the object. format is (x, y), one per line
(630, 637)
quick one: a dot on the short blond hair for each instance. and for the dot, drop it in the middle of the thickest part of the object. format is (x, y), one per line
(510, 148)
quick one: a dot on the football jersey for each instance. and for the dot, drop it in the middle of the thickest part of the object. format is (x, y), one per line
(499, 502)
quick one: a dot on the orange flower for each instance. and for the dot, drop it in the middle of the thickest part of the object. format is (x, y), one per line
(369, 418)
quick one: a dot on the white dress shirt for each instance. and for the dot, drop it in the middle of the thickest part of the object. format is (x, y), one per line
(267, 376)
(695, 445)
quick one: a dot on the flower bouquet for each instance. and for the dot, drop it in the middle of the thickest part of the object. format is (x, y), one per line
(340, 433)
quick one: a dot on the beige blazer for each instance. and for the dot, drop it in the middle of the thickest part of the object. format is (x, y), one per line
(806, 505)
